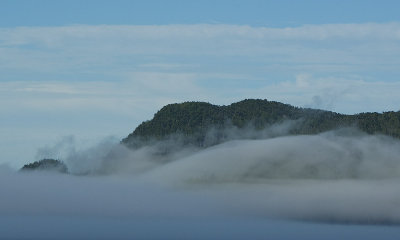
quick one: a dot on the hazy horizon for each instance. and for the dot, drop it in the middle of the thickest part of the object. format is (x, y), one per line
(76, 77)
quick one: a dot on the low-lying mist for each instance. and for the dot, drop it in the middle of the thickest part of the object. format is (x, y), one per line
(343, 176)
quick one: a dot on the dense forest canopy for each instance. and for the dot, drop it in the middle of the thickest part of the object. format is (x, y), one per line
(46, 165)
(194, 119)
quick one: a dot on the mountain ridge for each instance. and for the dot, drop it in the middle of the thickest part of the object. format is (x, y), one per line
(201, 125)
(194, 119)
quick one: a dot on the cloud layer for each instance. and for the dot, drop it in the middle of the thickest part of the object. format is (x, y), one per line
(175, 62)
(346, 172)
(343, 177)
(341, 181)
(57, 80)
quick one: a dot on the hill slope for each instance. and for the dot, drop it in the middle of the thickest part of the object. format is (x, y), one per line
(194, 119)
(46, 165)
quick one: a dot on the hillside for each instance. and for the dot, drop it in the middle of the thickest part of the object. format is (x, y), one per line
(46, 165)
(193, 120)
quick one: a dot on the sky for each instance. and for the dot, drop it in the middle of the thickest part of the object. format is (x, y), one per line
(94, 69)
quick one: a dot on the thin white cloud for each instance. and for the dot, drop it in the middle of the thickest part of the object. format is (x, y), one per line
(345, 95)
(53, 36)
(107, 73)
(94, 46)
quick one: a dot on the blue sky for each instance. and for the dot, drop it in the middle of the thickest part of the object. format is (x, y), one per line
(282, 13)
(92, 69)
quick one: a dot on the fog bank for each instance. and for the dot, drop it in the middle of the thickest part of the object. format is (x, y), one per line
(342, 177)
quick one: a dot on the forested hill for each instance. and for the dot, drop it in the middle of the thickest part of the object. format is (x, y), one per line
(194, 120)
(46, 165)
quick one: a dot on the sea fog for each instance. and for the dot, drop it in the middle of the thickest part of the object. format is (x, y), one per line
(337, 184)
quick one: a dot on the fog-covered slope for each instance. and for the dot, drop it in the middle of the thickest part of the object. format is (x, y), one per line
(194, 120)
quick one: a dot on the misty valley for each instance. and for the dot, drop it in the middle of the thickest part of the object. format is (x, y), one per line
(256, 163)
(199, 120)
